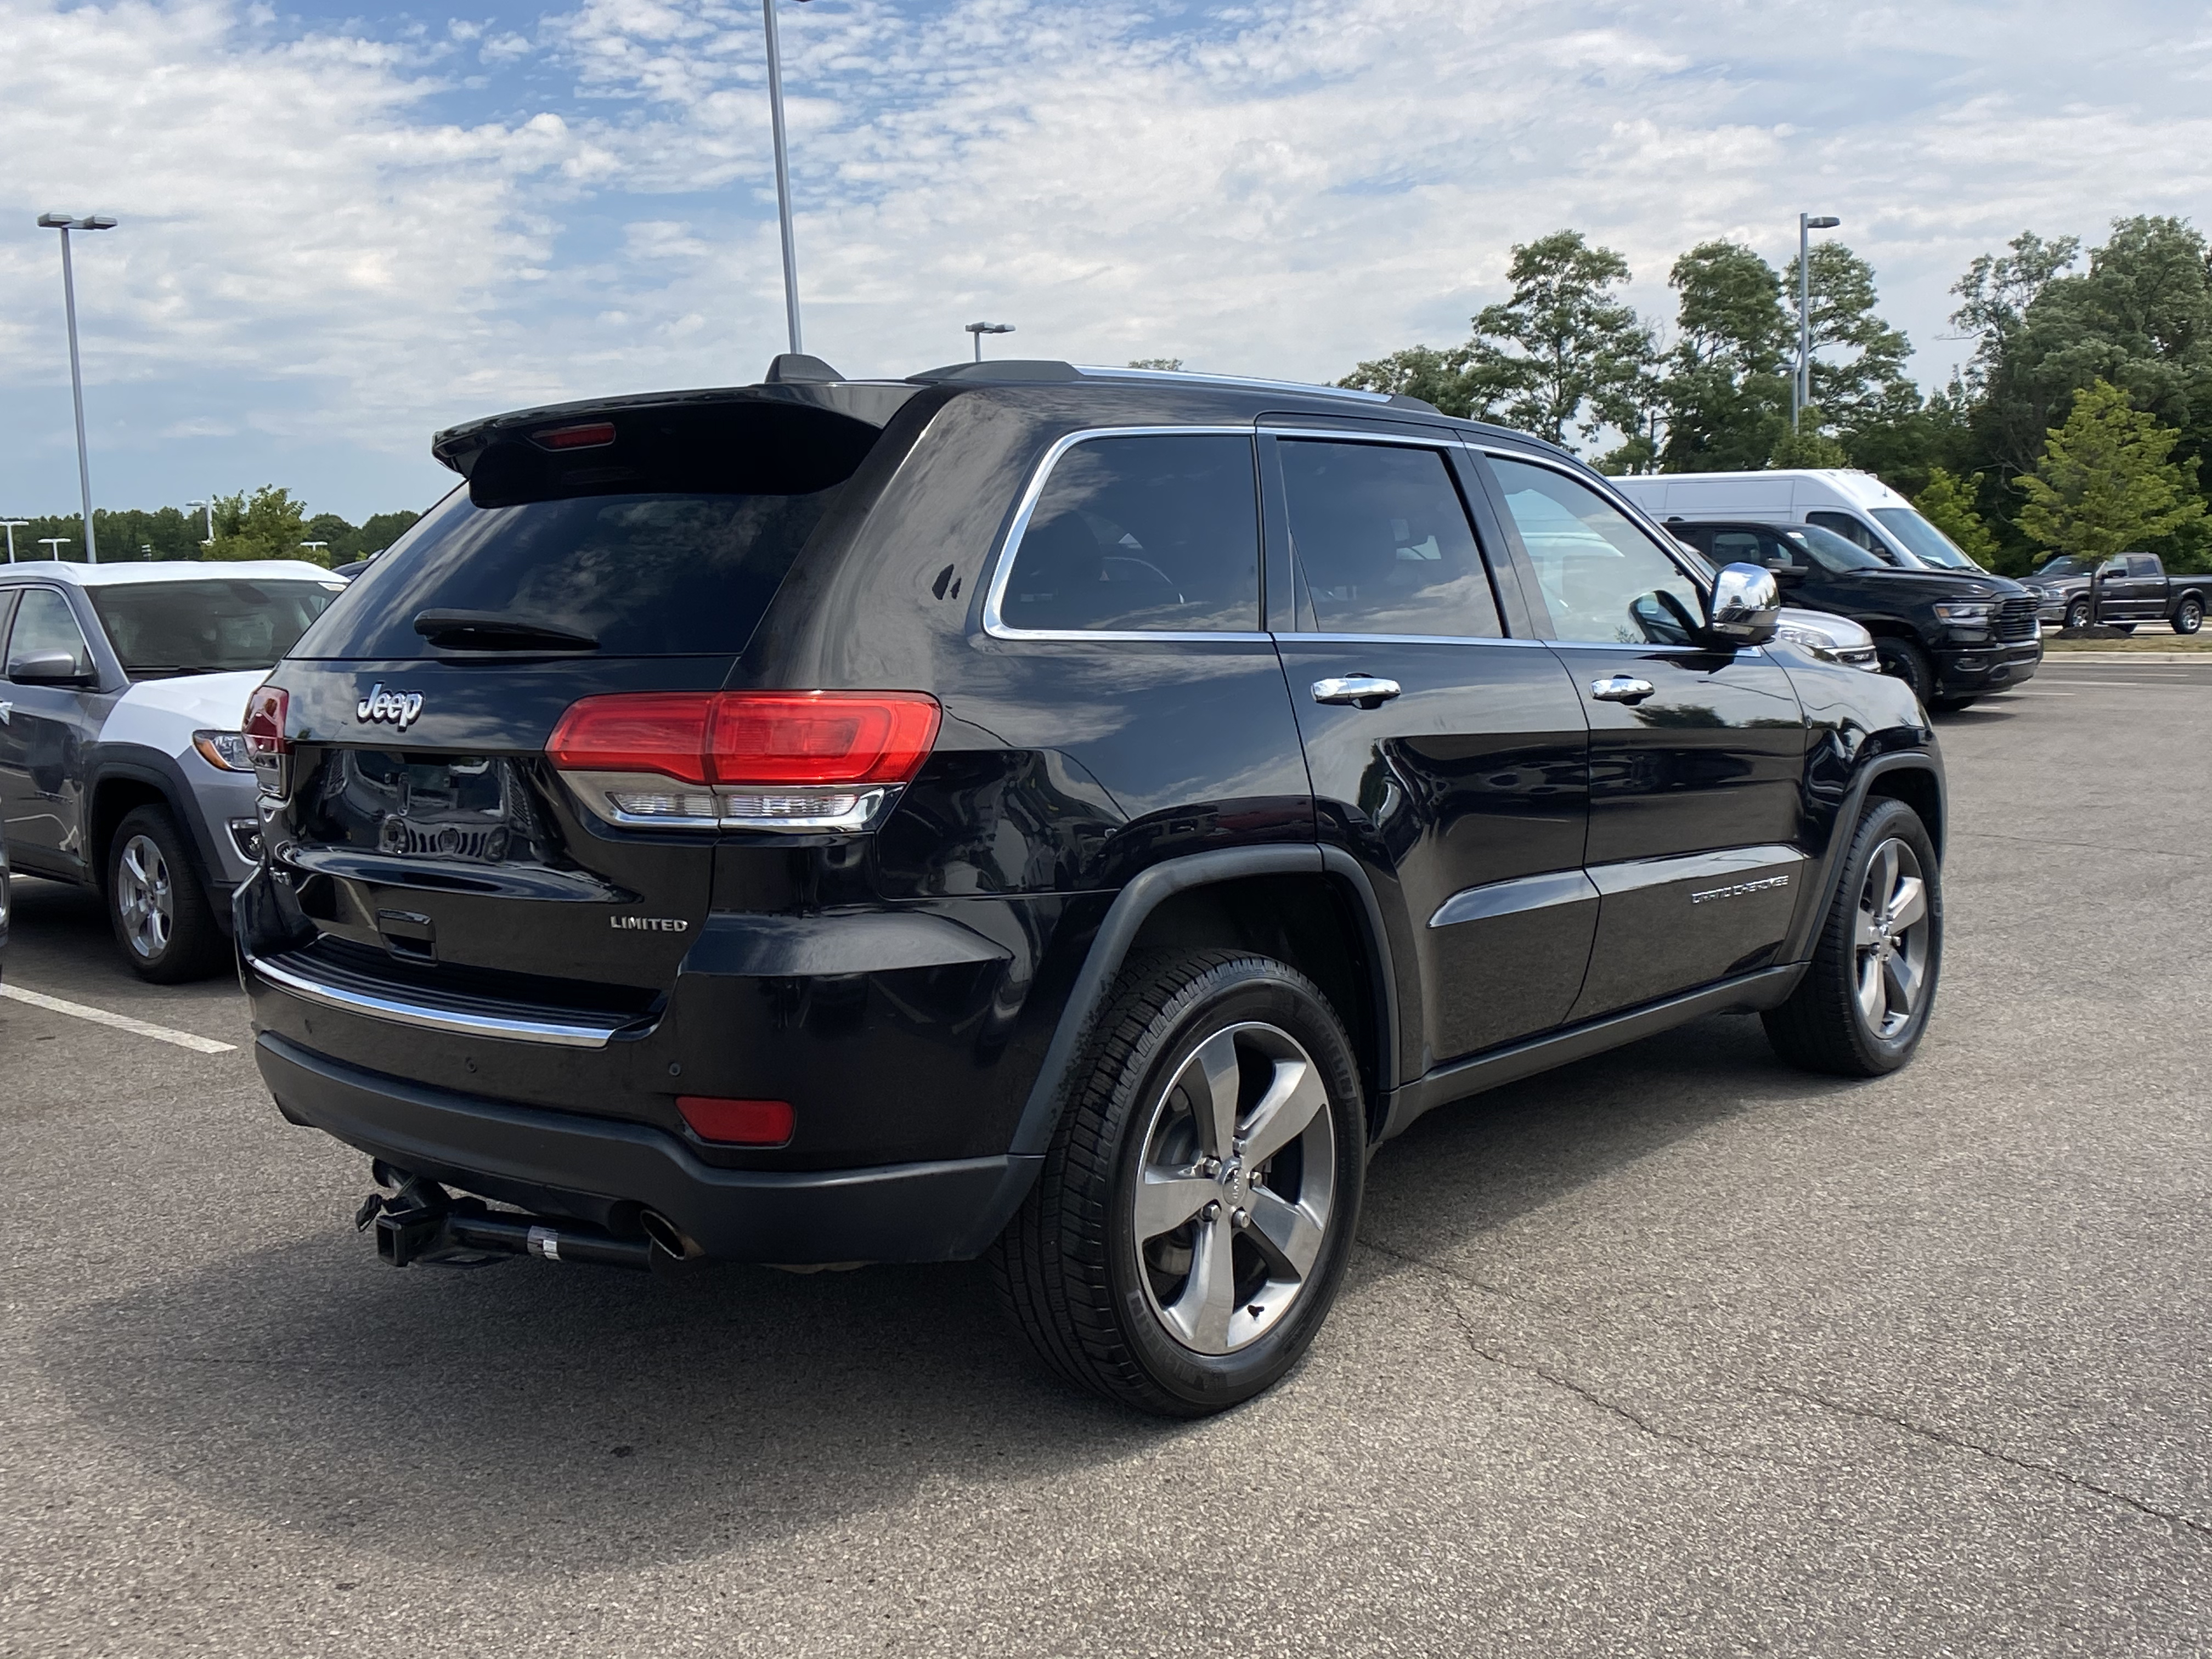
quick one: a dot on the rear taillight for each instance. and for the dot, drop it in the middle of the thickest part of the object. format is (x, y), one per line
(762, 760)
(266, 709)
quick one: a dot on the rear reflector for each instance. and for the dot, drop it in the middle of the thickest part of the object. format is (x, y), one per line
(772, 760)
(738, 1122)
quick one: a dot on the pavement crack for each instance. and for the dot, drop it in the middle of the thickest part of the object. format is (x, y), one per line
(2093, 846)
(1566, 1384)
(1942, 1437)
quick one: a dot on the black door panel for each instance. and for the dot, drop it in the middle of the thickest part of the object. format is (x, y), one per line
(1687, 921)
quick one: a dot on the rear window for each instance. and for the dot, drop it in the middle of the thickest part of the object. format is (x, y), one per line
(647, 576)
(661, 530)
(214, 627)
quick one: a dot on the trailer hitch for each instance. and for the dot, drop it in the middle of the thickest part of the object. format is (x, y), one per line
(422, 1222)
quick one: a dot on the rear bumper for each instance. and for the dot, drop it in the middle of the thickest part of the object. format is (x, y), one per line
(603, 1171)
(1975, 669)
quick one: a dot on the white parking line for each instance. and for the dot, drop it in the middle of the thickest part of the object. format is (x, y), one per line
(199, 1045)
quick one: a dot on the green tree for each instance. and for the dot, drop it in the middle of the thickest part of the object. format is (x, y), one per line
(270, 525)
(1858, 360)
(1437, 377)
(1808, 443)
(1726, 386)
(1948, 502)
(380, 530)
(1562, 351)
(2105, 483)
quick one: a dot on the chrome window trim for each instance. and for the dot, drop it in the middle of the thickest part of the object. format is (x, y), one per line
(1338, 434)
(994, 624)
(1300, 636)
(423, 1018)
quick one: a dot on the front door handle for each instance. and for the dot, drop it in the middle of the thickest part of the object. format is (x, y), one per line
(1363, 690)
(1621, 688)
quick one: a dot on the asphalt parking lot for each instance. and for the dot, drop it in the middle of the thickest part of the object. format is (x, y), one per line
(1675, 1352)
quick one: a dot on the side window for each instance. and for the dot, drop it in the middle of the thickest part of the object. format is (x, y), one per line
(1602, 579)
(1740, 547)
(1851, 530)
(1381, 541)
(44, 623)
(1151, 532)
(2144, 564)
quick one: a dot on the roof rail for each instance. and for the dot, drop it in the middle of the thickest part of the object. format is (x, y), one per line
(1004, 369)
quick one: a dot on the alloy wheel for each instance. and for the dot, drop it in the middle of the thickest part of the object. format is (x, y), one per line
(1235, 1188)
(144, 897)
(1892, 934)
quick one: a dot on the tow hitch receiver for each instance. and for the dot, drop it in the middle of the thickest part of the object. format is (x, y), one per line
(422, 1222)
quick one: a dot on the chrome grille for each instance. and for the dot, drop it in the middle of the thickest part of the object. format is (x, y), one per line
(2017, 619)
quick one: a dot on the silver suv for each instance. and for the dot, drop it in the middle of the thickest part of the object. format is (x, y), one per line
(122, 767)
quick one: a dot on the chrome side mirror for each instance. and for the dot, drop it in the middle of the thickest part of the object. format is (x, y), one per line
(1746, 606)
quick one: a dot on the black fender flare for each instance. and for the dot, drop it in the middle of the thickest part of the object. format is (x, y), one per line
(1798, 947)
(140, 764)
(1145, 892)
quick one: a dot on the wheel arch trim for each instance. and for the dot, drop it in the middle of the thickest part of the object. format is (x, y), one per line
(1798, 947)
(1144, 893)
(134, 763)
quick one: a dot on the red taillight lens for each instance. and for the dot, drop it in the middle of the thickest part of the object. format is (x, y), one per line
(786, 760)
(265, 710)
(788, 739)
(662, 731)
(739, 1122)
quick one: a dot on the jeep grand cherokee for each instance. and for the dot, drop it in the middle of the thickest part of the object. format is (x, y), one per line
(1068, 815)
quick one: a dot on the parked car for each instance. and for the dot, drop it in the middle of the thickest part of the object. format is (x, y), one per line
(122, 765)
(1950, 637)
(1069, 815)
(2125, 589)
(1855, 505)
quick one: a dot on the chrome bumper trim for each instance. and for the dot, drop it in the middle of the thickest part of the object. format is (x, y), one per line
(581, 1034)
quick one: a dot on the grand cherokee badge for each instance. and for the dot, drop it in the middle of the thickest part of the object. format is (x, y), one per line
(400, 707)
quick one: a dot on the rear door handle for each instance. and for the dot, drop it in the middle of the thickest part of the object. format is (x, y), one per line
(1621, 688)
(1364, 690)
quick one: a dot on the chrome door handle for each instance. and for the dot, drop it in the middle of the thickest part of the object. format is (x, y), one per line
(1363, 689)
(1621, 688)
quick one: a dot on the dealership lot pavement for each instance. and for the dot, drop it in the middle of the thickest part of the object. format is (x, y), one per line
(1675, 1352)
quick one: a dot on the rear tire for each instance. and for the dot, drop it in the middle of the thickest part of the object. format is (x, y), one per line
(1903, 659)
(1138, 1272)
(2188, 616)
(1864, 1002)
(162, 921)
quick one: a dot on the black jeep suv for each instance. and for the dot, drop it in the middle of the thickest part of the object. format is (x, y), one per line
(1951, 635)
(1069, 815)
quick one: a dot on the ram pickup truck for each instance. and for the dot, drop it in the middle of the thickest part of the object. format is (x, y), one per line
(2128, 588)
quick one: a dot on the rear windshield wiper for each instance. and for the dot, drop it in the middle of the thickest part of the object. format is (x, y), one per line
(492, 630)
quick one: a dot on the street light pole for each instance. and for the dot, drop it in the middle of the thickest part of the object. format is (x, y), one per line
(979, 330)
(1801, 384)
(210, 506)
(782, 173)
(56, 543)
(13, 526)
(65, 224)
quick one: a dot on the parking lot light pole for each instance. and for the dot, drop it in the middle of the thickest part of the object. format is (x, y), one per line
(979, 330)
(1801, 386)
(209, 506)
(63, 223)
(782, 173)
(12, 526)
(56, 543)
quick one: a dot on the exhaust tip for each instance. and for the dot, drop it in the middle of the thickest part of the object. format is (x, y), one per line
(668, 1237)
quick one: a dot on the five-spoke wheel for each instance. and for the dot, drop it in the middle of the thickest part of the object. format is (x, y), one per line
(1195, 1211)
(1892, 935)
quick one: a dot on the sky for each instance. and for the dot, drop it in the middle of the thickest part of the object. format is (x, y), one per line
(343, 231)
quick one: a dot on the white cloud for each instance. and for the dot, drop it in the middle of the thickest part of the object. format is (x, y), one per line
(333, 244)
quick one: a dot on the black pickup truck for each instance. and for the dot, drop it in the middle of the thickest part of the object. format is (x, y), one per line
(2128, 588)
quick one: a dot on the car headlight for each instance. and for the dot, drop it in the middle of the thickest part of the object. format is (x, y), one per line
(224, 751)
(1966, 611)
(1831, 638)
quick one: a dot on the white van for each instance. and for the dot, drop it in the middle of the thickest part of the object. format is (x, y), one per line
(1856, 506)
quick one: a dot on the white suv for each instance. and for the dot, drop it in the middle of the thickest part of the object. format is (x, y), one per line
(122, 767)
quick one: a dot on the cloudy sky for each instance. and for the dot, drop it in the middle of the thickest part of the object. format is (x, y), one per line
(341, 232)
